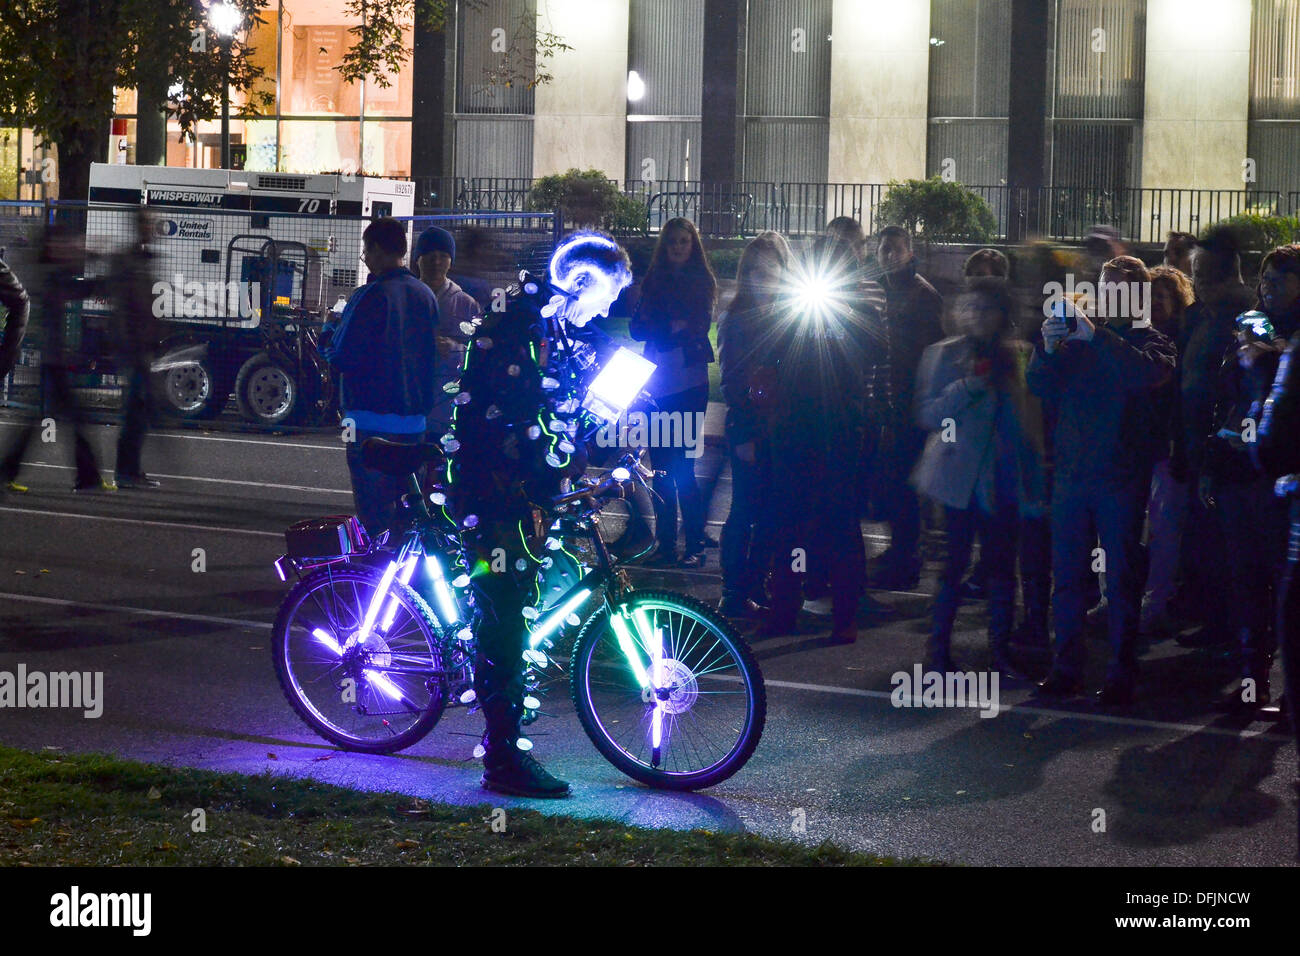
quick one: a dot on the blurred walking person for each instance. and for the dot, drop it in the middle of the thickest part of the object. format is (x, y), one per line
(62, 254)
(17, 311)
(130, 283)
(673, 317)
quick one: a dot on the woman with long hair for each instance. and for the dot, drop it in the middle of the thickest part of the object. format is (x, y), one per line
(982, 461)
(746, 331)
(673, 318)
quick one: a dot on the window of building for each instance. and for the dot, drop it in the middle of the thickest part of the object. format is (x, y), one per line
(317, 122)
(788, 91)
(1274, 133)
(1097, 102)
(666, 52)
(493, 122)
(970, 64)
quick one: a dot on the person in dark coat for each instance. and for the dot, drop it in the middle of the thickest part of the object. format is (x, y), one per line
(673, 317)
(832, 333)
(1208, 336)
(914, 320)
(1277, 456)
(1101, 379)
(1253, 518)
(385, 348)
(745, 334)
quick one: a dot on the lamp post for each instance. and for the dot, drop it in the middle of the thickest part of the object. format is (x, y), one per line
(225, 18)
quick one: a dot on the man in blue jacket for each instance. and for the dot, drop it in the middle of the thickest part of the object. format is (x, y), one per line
(1102, 380)
(385, 349)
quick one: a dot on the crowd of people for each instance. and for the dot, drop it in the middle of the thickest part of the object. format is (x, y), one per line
(1109, 447)
(1120, 452)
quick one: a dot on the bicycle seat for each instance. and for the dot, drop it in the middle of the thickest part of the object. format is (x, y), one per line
(397, 458)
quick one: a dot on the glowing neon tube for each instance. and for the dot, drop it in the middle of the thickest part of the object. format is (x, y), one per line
(447, 609)
(557, 617)
(628, 647)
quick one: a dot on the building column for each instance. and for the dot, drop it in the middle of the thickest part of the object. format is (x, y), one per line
(430, 109)
(880, 78)
(1027, 115)
(722, 133)
(580, 115)
(1197, 107)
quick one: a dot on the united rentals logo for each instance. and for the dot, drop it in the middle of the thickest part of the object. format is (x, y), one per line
(184, 229)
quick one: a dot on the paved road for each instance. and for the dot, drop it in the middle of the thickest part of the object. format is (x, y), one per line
(106, 584)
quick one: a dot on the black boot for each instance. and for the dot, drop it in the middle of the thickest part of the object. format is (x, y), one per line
(506, 768)
(1002, 601)
(1036, 592)
(938, 654)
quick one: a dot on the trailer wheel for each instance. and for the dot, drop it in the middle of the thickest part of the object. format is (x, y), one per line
(192, 390)
(266, 391)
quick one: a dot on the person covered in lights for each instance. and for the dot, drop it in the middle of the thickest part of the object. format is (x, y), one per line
(515, 437)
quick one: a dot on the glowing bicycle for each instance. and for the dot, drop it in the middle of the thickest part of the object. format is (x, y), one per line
(665, 688)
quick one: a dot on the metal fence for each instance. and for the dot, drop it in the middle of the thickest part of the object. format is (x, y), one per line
(742, 209)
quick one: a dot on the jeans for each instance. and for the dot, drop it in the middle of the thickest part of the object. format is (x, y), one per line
(1165, 516)
(1288, 634)
(1254, 523)
(373, 492)
(902, 506)
(678, 484)
(745, 550)
(1081, 515)
(998, 555)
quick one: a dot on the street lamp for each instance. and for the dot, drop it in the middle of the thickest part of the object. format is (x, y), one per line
(225, 18)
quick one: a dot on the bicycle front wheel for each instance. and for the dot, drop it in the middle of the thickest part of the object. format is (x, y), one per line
(377, 695)
(668, 692)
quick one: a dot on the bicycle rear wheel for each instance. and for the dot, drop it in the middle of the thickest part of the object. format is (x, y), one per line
(690, 715)
(379, 696)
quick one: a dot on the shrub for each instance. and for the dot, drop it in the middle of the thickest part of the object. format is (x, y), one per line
(936, 210)
(1258, 233)
(588, 199)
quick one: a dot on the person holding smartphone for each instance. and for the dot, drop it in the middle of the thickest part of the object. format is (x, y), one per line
(1102, 379)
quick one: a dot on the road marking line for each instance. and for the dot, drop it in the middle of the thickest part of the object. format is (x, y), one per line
(219, 481)
(1022, 709)
(791, 685)
(240, 441)
(155, 524)
(123, 609)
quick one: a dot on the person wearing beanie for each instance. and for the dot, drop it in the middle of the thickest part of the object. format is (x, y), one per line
(458, 312)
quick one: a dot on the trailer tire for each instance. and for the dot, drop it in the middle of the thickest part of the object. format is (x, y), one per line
(267, 392)
(193, 390)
